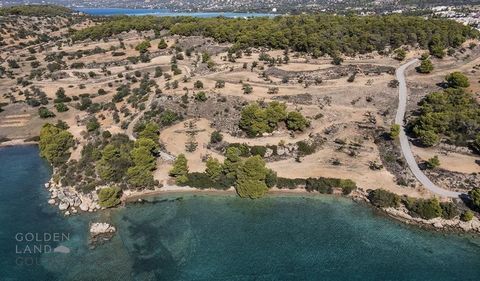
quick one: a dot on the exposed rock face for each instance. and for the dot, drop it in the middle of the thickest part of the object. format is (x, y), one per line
(100, 232)
(69, 199)
(63, 206)
(98, 228)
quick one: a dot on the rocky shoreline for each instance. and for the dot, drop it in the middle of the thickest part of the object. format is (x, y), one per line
(70, 202)
(437, 224)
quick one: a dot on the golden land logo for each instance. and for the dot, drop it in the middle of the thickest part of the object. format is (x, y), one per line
(28, 246)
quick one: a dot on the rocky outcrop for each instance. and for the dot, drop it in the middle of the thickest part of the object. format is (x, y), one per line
(439, 224)
(100, 232)
(71, 201)
(436, 223)
(98, 228)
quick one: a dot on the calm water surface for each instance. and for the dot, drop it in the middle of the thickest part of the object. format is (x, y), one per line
(189, 237)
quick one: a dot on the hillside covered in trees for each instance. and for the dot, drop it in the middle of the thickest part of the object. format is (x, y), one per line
(35, 10)
(316, 34)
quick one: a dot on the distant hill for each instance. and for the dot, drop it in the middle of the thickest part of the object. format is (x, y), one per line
(35, 10)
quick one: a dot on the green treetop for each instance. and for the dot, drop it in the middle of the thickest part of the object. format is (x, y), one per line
(296, 122)
(254, 120)
(232, 162)
(214, 168)
(394, 131)
(150, 131)
(457, 80)
(425, 67)
(109, 197)
(251, 178)
(143, 47)
(180, 169)
(162, 44)
(475, 196)
(55, 144)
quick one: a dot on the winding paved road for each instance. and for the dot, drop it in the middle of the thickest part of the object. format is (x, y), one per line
(405, 145)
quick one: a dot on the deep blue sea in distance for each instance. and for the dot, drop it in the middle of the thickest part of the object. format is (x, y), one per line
(166, 13)
(210, 237)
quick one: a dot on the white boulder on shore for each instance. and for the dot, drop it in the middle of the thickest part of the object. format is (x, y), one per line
(101, 228)
(63, 206)
(67, 197)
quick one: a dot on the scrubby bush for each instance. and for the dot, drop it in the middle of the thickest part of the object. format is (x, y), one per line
(285, 183)
(258, 150)
(475, 196)
(201, 96)
(425, 209)
(305, 148)
(449, 210)
(400, 54)
(467, 216)
(296, 122)
(383, 199)
(216, 137)
(457, 80)
(433, 162)
(425, 67)
(394, 131)
(61, 107)
(44, 113)
(143, 46)
(271, 178)
(109, 197)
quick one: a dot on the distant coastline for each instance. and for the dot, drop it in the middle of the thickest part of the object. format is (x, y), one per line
(166, 13)
(16, 142)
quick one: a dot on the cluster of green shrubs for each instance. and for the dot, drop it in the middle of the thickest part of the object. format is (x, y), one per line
(159, 115)
(256, 120)
(430, 208)
(304, 148)
(204, 181)
(114, 160)
(246, 150)
(321, 184)
(384, 199)
(453, 115)
(422, 208)
(250, 176)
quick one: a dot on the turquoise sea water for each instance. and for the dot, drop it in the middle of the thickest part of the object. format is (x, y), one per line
(187, 237)
(166, 13)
